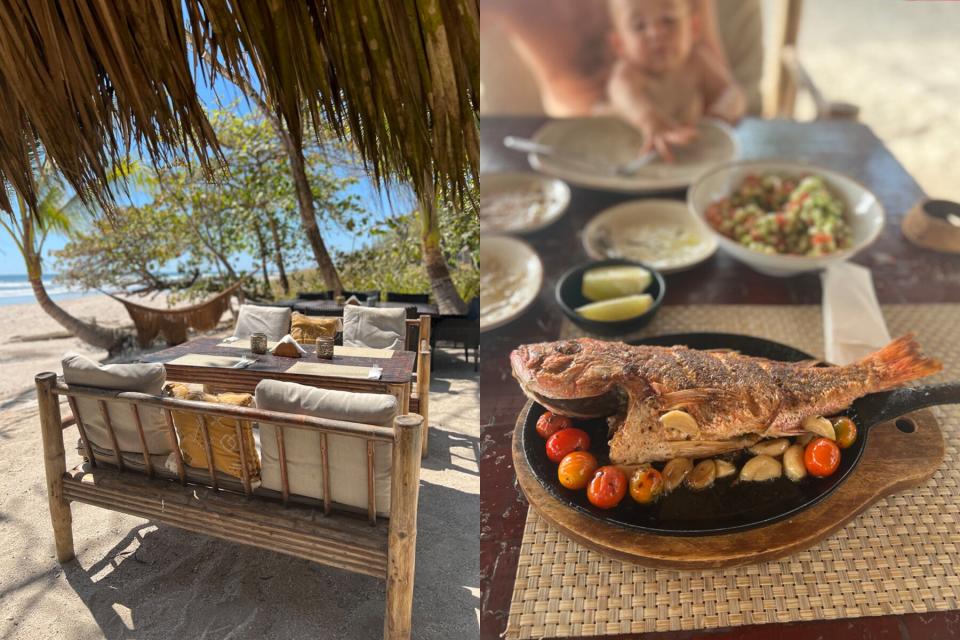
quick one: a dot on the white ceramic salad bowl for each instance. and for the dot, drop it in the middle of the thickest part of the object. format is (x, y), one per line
(863, 212)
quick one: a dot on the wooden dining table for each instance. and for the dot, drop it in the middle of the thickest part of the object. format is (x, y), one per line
(902, 273)
(395, 378)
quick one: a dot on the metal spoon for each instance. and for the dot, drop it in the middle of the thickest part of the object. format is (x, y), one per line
(578, 160)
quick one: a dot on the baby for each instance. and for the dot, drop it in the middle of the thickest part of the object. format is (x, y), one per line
(663, 81)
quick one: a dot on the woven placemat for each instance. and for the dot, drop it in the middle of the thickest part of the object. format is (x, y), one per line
(900, 556)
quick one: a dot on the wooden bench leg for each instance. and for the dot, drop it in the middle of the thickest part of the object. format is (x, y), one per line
(402, 538)
(55, 464)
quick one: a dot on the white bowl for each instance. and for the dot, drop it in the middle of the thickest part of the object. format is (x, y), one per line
(644, 230)
(863, 212)
(518, 276)
(514, 187)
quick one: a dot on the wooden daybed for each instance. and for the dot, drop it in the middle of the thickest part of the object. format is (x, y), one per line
(202, 501)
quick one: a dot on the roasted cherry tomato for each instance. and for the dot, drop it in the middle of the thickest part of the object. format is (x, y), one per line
(607, 487)
(576, 469)
(646, 485)
(565, 441)
(846, 432)
(549, 423)
(821, 457)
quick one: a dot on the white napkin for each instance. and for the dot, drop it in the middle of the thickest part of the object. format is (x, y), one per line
(374, 373)
(853, 326)
(352, 300)
(289, 338)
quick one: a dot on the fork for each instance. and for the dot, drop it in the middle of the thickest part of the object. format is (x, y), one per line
(530, 146)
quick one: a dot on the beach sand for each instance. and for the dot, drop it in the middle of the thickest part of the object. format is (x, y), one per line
(897, 62)
(134, 578)
(20, 360)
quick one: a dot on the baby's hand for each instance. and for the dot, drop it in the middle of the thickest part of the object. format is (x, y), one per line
(660, 132)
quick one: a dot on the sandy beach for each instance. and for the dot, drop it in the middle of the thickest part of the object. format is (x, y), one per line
(21, 360)
(134, 578)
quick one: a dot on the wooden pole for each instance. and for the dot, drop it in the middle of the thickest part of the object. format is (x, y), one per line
(402, 537)
(83, 432)
(143, 440)
(55, 464)
(783, 87)
(423, 379)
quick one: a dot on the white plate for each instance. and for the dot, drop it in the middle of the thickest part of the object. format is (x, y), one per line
(661, 233)
(514, 270)
(864, 213)
(517, 193)
(610, 142)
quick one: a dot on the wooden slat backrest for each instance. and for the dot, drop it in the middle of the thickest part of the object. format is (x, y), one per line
(370, 434)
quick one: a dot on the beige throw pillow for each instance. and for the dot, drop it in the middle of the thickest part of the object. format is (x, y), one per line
(374, 328)
(273, 321)
(145, 378)
(347, 456)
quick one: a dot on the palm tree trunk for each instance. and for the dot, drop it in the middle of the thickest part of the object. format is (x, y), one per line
(278, 254)
(112, 340)
(263, 260)
(308, 214)
(444, 292)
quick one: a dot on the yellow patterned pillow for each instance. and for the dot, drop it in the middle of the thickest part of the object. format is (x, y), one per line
(306, 329)
(222, 432)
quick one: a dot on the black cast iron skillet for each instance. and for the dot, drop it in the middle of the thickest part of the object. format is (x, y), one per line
(729, 506)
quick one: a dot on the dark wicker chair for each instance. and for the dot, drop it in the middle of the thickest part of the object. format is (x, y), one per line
(461, 329)
(362, 296)
(422, 298)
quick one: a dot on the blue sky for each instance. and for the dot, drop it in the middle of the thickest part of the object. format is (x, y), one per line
(336, 239)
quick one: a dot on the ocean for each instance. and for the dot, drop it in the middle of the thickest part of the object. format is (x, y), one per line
(15, 289)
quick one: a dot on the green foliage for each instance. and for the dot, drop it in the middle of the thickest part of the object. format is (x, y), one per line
(392, 262)
(200, 229)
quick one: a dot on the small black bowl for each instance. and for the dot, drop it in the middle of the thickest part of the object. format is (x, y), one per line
(570, 296)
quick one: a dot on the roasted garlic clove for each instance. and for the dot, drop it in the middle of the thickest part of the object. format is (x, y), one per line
(681, 421)
(770, 447)
(793, 463)
(702, 475)
(675, 471)
(820, 426)
(761, 468)
(725, 468)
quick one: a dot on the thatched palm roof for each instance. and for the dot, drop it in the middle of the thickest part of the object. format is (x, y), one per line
(83, 79)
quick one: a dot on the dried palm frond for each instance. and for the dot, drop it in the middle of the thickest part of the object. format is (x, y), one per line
(86, 79)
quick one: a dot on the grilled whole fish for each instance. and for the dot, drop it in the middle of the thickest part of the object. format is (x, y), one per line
(735, 400)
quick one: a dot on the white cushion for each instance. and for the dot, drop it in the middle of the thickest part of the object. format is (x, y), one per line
(145, 378)
(374, 328)
(273, 321)
(346, 455)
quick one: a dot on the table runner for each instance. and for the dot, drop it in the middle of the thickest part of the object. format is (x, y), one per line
(352, 352)
(902, 555)
(330, 370)
(244, 344)
(203, 360)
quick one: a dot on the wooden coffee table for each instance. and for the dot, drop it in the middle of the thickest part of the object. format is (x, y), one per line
(395, 379)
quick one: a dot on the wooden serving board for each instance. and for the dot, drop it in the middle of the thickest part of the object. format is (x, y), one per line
(892, 461)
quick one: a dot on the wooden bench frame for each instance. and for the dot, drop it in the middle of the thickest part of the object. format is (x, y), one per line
(335, 539)
(420, 397)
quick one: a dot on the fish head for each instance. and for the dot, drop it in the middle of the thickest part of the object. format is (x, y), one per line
(578, 378)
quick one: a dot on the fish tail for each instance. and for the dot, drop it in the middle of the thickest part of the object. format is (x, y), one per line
(900, 362)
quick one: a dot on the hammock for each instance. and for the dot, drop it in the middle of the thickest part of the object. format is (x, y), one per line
(173, 323)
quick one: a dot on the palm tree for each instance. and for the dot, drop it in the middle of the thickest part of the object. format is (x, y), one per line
(444, 292)
(29, 230)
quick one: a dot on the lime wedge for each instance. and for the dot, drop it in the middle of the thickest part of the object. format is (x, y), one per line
(617, 309)
(604, 283)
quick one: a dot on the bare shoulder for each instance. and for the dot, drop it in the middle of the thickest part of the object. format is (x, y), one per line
(624, 76)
